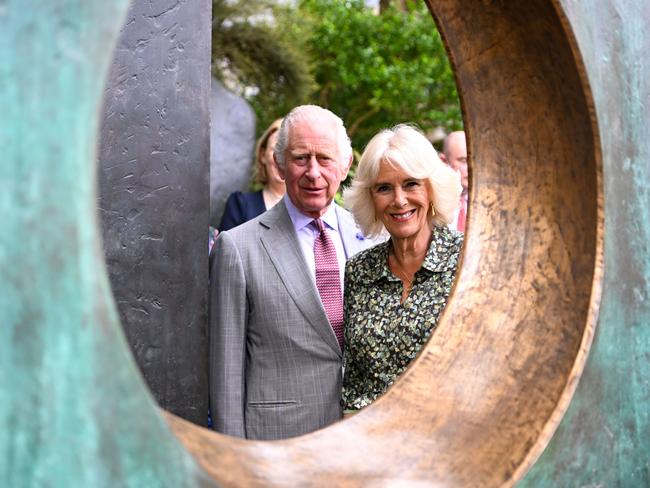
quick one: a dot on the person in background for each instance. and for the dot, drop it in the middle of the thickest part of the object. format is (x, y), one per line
(396, 291)
(276, 305)
(242, 207)
(454, 153)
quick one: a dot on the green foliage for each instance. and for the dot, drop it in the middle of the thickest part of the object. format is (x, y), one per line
(373, 70)
(253, 58)
(376, 70)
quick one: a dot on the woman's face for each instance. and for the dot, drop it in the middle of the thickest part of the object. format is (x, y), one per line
(402, 203)
(267, 159)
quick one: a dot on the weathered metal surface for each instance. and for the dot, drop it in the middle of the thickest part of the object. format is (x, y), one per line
(154, 195)
(74, 411)
(555, 96)
(604, 438)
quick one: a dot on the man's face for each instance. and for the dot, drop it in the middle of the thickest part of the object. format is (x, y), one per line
(456, 157)
(314, 166)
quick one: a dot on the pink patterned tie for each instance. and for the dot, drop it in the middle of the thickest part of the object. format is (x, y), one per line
(327, 279)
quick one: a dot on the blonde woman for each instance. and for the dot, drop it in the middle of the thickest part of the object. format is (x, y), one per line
(396, 291)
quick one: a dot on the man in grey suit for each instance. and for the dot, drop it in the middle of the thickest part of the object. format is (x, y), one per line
(275, 361)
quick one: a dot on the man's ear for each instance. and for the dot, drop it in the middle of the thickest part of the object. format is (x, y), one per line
(443, 158)
(347, 167)
(280, 168)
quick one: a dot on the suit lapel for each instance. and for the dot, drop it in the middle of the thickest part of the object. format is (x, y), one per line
(281, 244)
(353, 240)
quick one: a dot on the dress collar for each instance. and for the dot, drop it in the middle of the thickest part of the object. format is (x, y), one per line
(439, 257)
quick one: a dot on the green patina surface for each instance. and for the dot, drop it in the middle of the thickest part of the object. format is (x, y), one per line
(73, 408)
(604, 438)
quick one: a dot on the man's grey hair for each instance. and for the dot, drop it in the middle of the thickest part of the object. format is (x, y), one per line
(316, 115)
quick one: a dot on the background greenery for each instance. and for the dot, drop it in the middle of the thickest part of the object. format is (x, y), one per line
(372, 69)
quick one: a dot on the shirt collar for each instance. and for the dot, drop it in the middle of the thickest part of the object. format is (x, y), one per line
(301, 220)
(441, 250)
(439, 257)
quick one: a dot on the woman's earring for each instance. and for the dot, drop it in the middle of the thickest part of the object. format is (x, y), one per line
(433, 210)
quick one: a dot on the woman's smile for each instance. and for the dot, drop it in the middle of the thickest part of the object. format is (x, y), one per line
(403, 216)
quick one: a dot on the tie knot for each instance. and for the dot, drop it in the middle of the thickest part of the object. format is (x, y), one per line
(318, 225)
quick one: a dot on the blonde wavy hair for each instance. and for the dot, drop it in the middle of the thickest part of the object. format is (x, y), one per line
(405, 148)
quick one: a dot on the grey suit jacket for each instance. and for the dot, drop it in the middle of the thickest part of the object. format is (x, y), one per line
(275, 363)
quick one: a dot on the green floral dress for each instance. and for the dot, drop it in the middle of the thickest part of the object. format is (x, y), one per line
(382, 335)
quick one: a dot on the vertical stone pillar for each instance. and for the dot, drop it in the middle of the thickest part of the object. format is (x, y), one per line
(232, 143)
(154, 195)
